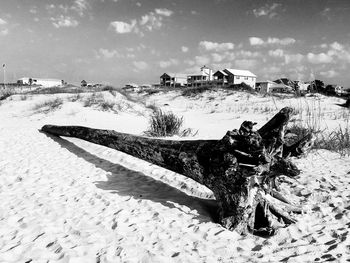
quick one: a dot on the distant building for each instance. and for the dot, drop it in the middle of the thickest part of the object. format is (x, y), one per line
(271, 86)
(47, 83)
(173, 80)
(204, 77)
(234, 76)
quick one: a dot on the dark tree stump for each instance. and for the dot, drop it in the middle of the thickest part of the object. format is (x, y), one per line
(242, 169)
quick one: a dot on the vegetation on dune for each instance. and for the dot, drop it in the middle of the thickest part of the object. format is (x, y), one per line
(166, 124)
(48, 106)
(5, 93)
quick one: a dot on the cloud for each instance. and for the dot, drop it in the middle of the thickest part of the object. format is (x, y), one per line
(268, 10)
(329, 74)
(284, 41)
(80, 6)
(276, 53)
(202, 60)
(123, 27)
(256, 41)
(246, 63)
(64, 21)
(140, 65)
(107, 54)
(4, 32)
(320, 58)
(148, 22)
(218, 47)
(168, 63)
(326, 12)
(163, 11)
(184, 49)
(293, 58)
(2, 21)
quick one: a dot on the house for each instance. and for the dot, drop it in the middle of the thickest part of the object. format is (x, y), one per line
(47, 83)
(173, 80)
(204, 77)
(271, 86)
(234, 76)
(264, 86)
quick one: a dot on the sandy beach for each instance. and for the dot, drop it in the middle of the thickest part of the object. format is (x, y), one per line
(68, 200)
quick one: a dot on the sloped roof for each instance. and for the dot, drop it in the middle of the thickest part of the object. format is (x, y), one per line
(222, 72)
(172, 75)
(240, 72)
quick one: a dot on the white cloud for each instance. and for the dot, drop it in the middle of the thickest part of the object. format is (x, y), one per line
(80, 6)
(284, 41)
(138, 4)
(256, 41)
(33, 10)
(293, 58)
(148, 22)
(140, 65)
(276, 53)
(4, 32)
(64, 21)
(123, 27)
(246, 63)
(2, 21)
(168, 63)
(194, 12)
(184, 49)
(163, 11)
(218, 47)
(105, 53)
(319, 58)
(202, 60)
(326, 12)
(267, 10)
(151, 22)
(329, 74)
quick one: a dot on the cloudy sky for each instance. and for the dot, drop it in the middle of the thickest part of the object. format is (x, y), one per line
(122, 41)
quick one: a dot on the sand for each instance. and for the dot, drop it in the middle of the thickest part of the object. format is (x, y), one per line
(67, 200)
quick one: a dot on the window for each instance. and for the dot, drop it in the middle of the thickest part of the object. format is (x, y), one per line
(237, 77)
(246, 78)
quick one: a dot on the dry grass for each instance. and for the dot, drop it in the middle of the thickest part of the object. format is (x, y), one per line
(49, 105)
(164, 124)
(5, 93)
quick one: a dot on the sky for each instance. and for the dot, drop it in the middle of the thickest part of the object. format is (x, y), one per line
(136, 41)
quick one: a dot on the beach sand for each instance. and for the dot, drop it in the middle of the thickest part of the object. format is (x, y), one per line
(67, 200)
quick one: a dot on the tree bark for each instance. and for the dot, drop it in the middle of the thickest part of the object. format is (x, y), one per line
(242, 169)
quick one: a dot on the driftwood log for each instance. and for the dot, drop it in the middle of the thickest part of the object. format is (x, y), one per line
(242, 169)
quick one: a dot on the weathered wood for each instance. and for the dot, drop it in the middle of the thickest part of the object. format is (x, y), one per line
(241, 169)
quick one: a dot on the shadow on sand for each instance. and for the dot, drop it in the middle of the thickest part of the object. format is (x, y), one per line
(126, 182)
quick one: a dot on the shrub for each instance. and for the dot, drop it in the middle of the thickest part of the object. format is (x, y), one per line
(107, 105)
(49, 105)
(5, 93)
(166, 124)
(191, 92)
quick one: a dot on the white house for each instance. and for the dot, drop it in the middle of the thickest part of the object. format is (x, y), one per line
(47, 83)
(235, 76)
(199, 79)
(270, 86)
(173, 80)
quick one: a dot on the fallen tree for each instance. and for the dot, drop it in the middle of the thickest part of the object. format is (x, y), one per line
(242, 169)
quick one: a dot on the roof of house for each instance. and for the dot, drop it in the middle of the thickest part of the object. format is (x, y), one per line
(265, 81)
(240, 72)
(173, 75)
(220, 71)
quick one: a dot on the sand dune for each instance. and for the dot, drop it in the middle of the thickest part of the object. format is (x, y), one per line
(67, 200)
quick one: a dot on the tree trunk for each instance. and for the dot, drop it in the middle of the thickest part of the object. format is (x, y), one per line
(241, 169)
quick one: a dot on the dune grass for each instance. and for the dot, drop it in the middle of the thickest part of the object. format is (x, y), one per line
(167, 124)
(49, 105)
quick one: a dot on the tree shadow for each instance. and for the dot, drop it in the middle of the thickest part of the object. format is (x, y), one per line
(126, 182)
